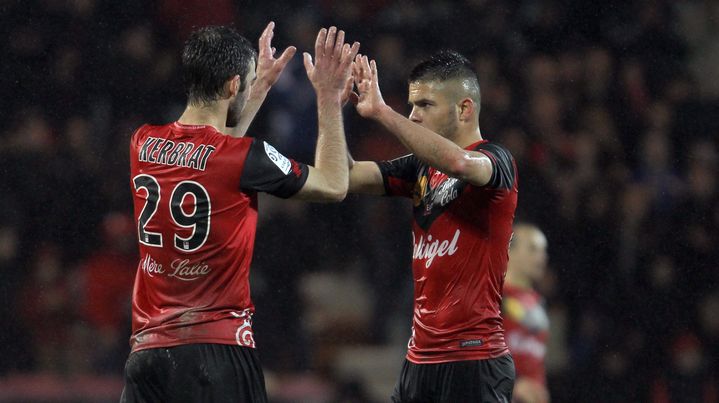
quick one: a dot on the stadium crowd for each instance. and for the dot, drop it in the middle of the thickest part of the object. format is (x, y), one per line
(608, 107)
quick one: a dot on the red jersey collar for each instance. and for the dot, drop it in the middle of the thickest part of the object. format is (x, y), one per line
(180, 126)
(475, 144)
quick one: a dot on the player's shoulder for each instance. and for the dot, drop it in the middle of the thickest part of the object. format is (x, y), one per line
(404, 160)
(495, 149)
(148, 129)
(141, 131)
(216, 137)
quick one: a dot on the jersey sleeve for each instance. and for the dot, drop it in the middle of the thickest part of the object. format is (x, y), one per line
(503, 167)
(266, 170)
(399, 175)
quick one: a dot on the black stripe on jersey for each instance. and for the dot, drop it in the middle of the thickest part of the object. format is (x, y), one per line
(503, 172)
(402, 168)
(261, 174)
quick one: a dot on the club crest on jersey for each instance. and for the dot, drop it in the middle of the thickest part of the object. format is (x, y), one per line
(439, 190)
(243, 335)
(420, 190)
(430, 248)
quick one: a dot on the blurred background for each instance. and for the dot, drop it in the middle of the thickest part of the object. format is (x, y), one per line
(610, 108)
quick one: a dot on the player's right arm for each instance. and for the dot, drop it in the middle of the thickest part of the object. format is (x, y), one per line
(328, 179)
(392, 178)
(365, 178)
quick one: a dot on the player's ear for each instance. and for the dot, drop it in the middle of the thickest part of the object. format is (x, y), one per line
(466, 109)
(233, 85)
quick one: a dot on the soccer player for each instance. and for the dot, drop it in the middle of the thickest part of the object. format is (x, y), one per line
(464, 192)
(195, 196)
(524, 316)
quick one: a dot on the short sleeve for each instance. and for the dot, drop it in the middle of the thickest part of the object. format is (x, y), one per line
(266, 170)
(503, 167)
(399, 175)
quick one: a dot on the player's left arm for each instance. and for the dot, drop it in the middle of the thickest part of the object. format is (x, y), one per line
(269, 69)
(440, 153)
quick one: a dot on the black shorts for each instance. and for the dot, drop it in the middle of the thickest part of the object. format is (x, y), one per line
(460, 381)
(194, 373)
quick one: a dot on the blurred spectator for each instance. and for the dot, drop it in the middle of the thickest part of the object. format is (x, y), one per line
(107, 276)
(45, 303)
(688, 378)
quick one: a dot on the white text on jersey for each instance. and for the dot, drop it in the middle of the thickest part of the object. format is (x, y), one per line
(181, 269)
(430, 249)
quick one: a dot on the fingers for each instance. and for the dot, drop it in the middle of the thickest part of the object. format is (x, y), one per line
(266, 37)
(286, 55)
(333, 60)
(320, 42)
(350, 53)
(351, 95)
(348, 85)
(309, 67)
(356, 69)
(330, 41)
(339, 44)
(365, 76)
(373, 67)
(365, 68)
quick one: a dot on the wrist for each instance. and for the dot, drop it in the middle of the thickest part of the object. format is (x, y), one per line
(260, 87)
(383, 112)
(329, 96)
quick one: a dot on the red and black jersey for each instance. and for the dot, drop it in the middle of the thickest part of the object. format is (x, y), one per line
(461, 238)
(195, 197)
(527, 326)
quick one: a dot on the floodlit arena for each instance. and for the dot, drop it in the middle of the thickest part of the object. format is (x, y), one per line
(359, 201)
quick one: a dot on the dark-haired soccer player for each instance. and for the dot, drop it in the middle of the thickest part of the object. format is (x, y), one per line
(525, 318)
(195, 195)
(464, 191)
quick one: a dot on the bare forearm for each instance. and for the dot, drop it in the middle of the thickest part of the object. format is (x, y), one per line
(252, 106)
(331, 153)
(427, 145)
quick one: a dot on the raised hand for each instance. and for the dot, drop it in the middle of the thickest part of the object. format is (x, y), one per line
(269, 68)
(348, 94)
(331, 69)
(370, 101)
(268, 72)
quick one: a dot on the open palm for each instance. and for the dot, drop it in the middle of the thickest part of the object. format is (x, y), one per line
(269, 68)
(370, 101)
(332, 66)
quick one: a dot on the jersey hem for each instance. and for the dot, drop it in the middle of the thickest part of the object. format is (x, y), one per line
(448, 357)
(147, 346)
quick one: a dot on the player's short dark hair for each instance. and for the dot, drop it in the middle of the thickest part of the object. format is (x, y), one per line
(211, 56)
(446, 65)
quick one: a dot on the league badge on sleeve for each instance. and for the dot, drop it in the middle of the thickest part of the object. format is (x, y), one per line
(282, 162)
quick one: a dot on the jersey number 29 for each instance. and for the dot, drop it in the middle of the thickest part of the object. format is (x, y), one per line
(198, 220)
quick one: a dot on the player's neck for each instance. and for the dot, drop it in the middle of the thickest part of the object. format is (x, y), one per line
(466, 139)
(214, 115)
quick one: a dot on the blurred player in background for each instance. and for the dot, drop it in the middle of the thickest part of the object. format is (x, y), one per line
(464, 190)
(524, 316)
(195, 195)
